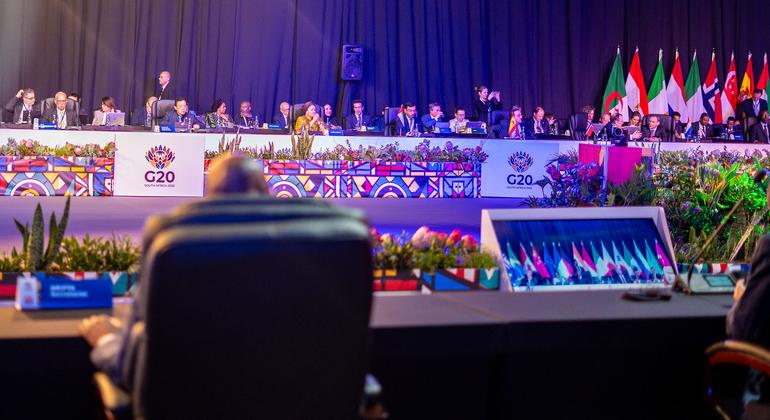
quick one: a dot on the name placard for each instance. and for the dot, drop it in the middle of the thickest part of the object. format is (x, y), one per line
(36, 291)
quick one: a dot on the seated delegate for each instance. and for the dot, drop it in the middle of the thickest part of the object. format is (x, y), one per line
(59, 114)
(107, 107)
(218, 117)
(181, 115)
(143, 116)
(23, 107)
(310, 121)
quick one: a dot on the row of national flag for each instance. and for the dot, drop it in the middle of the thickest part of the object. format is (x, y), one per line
(687, 96)
(558, 262)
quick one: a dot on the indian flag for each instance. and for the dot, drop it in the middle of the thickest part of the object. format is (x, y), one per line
(657, 93)
(693, 91)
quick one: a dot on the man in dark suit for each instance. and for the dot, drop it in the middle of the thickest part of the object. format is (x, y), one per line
(181, 114)
(23, 107)
(142, 117)
(407, 123)
(653, 131)
(282, 118)
(759, 131)
(245, 118)
(433, 116)
(536, 124)
(702, 128)
(59, 114)
(678, 125)
(357, 119)
(165, 90)
(753, 106)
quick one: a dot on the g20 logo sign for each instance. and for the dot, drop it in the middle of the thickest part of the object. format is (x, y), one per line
(520, 162)
(160, 158)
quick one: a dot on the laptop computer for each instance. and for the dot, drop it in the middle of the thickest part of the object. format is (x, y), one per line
(114, 119)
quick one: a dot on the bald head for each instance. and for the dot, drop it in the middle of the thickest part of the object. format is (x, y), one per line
(164, 77)
(230, 174)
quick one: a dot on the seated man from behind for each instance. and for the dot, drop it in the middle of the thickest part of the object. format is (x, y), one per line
(115, 343)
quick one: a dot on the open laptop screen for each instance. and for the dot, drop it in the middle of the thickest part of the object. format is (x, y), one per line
(583, 253)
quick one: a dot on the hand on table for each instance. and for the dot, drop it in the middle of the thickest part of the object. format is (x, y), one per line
(97, 326)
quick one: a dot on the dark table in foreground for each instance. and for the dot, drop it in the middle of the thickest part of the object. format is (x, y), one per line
(455, 355)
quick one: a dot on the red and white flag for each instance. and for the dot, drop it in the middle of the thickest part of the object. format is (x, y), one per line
(730, 91)
(636, 92)
(712, 100)
(675, 90)
(762, 83)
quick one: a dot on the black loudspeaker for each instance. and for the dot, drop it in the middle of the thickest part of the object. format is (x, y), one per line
(352, 62)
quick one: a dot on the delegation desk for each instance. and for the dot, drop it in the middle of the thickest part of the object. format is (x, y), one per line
(454, 355)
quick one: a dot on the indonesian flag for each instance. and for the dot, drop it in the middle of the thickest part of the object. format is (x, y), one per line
(635, 90)
(747, 84)
(730, 91)
(675, 90)
(762, 83)
(711, 92)
(657, 93)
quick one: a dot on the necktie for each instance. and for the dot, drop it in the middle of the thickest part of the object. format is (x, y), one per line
(756, 108)
(764, 128)
(359, 121)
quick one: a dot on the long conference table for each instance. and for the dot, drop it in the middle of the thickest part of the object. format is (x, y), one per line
(452, 355)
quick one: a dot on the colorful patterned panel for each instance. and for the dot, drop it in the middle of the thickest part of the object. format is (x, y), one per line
(457, 279)
(56, 176)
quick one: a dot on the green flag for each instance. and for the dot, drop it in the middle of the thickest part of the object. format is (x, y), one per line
(614, 98)
(657, 91)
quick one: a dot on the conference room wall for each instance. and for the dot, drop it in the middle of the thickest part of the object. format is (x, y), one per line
(553, 53)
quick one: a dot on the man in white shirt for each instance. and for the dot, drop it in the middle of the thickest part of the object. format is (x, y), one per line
(358, 119)
(458, 123)
(59, 114)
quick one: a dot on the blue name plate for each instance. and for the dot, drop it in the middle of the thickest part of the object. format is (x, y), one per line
(337, 132)
(479, 130)
(46, 126)
(36, 291)
(445, 130)
(167, 129)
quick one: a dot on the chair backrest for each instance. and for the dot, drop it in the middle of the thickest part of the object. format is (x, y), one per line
(264, 320)
(49, 103)
(229, 214)
(500, 115)
(389, 115)
(749, 122)
(161, 108)
(576, 121)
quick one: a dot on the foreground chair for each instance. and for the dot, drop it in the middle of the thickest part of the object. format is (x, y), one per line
(266, 320)
(728, 363)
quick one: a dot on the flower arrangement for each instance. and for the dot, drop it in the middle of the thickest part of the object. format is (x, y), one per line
(23, 148)
(429, 251)
(696, 188)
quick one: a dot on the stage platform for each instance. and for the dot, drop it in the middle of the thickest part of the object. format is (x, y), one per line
(103, 216)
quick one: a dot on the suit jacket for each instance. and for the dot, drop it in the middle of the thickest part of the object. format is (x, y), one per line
(351, 121)
(16, 106)
(168, 93)
(72, 118)
(529, 127)
(402, 126)
(659, 132)
(749, 320)
(139, 118)
(429, 123)
(747, 108)
(758, 134)
(172, 118)
(483, 109)
(252, 122)
(695, 128)
(281, 120)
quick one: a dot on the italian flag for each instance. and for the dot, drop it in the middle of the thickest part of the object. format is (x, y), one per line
(657, 93)
(730, 92)
(614, 98)
(747, 84)
(693, 91)
(635, 90)
(675, 90)
(762, 83)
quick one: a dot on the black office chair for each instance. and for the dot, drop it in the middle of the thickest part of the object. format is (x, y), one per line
(71, 106)
(727, 368)
(748, 122)
(160, 109)
(577, 125)
(265, 320)
(389, 115)
(279, 210)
